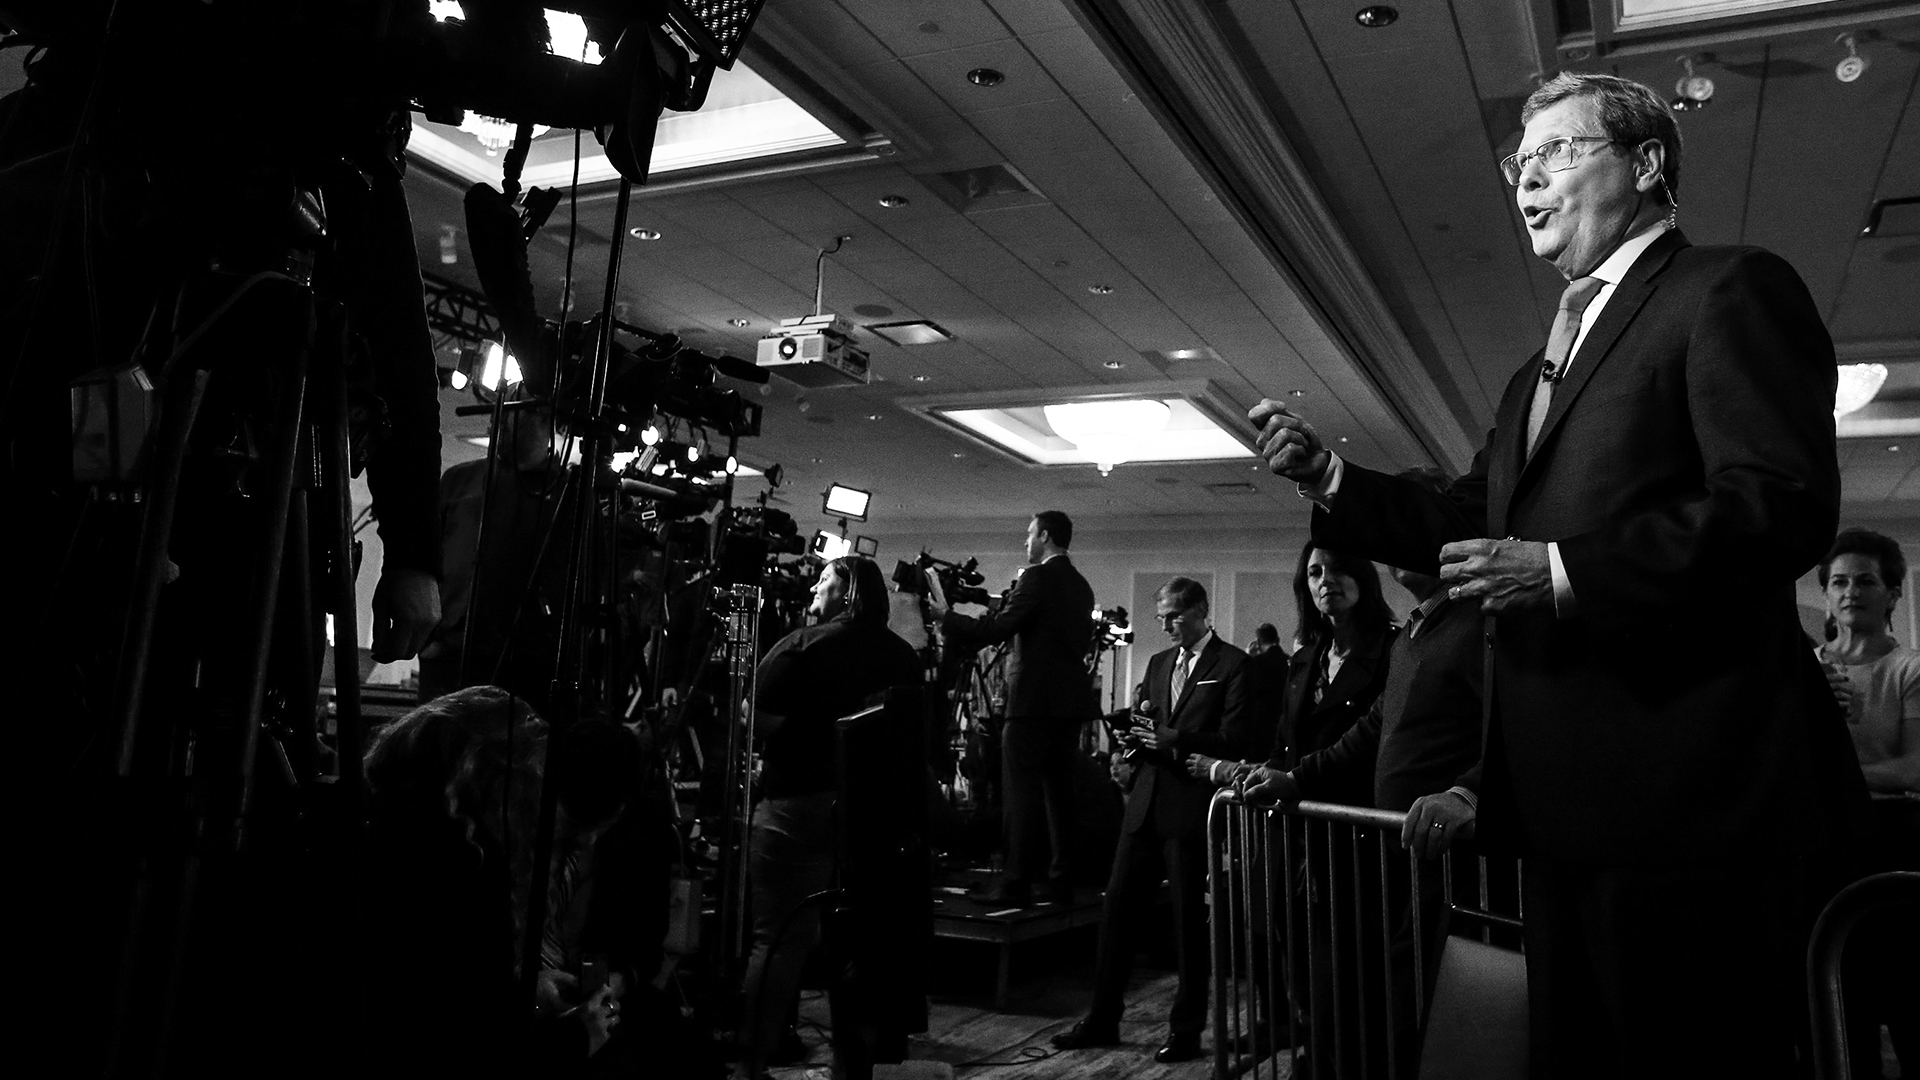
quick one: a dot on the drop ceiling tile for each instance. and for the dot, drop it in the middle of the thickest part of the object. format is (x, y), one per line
(1076, 63)
(1028, 17)
(1336, 33)
(914, 27)
(831, 28)
(945, 73)
(1038, 130)
(1874, 483)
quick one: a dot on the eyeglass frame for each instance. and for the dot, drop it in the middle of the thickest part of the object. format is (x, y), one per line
(1519, 161)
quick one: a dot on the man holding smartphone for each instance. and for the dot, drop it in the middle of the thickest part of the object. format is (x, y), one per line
(1194, 700)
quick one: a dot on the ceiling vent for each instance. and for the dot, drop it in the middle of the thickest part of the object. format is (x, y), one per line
(989, 187)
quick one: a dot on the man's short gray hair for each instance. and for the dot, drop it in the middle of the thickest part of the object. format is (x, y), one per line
(1187, 593)
(1629, 112)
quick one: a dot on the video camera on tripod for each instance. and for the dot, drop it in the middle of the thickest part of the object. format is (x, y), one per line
(960, 583)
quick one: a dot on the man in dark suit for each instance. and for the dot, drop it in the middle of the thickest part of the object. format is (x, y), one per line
(1049, 617)
(1674, 442)
(1194, 701)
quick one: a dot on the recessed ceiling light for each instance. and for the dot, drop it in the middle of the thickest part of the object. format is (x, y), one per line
(1297, 393)
(929, 27)
(639, 233)
(1343, 438)
(1375, 16)
(985, 77)
(958, 454)
(1113, 365)
(1100, 290)
(894, 202)
(739, 322)
(922, 378)
(1893, 448)
(873, 416)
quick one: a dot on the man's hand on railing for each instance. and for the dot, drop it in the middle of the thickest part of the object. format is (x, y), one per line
(1434, 822)
(1269, 786)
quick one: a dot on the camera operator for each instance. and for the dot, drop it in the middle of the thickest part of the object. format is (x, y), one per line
(809, 679)
(1049, 616)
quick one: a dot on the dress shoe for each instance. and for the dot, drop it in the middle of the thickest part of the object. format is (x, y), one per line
(1178, 1048)
(1086, 1034)
(1002, 893)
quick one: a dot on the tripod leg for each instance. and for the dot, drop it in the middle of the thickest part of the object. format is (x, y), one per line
(299, 672)
(179, 406)
(288, 416)
(350, 728)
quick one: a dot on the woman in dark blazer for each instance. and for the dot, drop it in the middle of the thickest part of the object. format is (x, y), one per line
(1340, 663)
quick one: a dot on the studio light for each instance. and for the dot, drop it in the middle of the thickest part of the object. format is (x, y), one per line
(830, 547)
(843, 501)
(485, 366)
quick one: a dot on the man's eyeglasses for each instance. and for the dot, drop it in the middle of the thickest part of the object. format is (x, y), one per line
(1556, 155)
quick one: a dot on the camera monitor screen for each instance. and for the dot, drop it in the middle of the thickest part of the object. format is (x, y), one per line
(843, 501)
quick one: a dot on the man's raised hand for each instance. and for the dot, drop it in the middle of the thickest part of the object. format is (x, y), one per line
(1289, 444)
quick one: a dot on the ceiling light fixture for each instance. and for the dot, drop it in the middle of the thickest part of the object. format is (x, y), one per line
(985, 77)
(894, 202)
(1692, 92)
(1107, 431)
(1375, 16)
(492, 133)
(1852, 65)
(1858, 383)
(1114, 365)
(639, 233)
(1100, 290)
(922, 378)
(739, 322)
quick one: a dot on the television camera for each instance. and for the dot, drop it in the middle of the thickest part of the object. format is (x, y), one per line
(960, 583)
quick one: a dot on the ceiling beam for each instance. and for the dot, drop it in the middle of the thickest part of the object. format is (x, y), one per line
(1176, 58)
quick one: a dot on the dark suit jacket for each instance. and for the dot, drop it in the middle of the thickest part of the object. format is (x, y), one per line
(1049, 616)
(1687, 470)
(1422, 734)
(1307, 725)
(1214, 716)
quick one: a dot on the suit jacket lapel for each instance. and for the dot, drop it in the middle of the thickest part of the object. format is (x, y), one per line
(1201, 667)
(1510, 443)
(1636, 285)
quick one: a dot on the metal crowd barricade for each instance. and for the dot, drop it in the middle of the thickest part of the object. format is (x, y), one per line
(1326, 935)
(1826, 991)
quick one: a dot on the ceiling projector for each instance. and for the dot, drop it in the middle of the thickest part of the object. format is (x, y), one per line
(815, 351)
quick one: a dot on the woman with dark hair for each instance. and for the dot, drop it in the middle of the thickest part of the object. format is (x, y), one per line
(1340, 663)
(809, 679)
